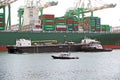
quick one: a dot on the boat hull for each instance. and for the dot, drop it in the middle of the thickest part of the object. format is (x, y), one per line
(58, 57)
(53, 48)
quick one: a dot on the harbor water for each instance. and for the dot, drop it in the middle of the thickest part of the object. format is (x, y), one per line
(89, 66)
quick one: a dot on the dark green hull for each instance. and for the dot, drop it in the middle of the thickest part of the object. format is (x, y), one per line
(9, 38)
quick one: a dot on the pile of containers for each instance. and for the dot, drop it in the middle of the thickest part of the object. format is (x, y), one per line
(105, 28)
(91, 24)
(94, 24)
(60, 24)
(2, 21)
(48, 22)
(72, 24)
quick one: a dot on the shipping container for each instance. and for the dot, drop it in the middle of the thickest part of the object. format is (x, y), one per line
(70, 29)
(61, 29)
(2, 28)
(48, 16)
(2, 25)
(69, 24)
(106, 28)
(49, 23)
(60, 18)
(2, 19)
(52, 20)
(2, 22)
(38, 26)
(61, 26)
(48, 26)
(49, 29)
(1, 14)
(60, 21)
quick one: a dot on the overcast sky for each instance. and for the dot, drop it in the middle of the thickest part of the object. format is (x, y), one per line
(109, 16)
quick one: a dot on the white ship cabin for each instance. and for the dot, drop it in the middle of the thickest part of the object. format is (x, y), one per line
(23, 42)
(92, 43)
(88, 40)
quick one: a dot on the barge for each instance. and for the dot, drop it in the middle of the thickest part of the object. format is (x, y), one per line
(25, 46)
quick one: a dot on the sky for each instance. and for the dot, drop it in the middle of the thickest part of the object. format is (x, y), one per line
(109, 16)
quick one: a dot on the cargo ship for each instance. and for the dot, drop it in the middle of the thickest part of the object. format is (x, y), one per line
(48, 28)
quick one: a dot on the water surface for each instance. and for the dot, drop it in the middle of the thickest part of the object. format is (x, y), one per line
(89, 66)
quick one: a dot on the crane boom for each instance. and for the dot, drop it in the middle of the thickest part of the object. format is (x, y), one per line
(100, 8)
(48, 4)
(7, 2)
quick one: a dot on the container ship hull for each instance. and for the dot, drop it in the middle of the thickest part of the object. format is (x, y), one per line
(108, 40)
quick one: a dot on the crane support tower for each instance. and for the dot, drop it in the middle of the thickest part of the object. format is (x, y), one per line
(29, 14)
(3, 4)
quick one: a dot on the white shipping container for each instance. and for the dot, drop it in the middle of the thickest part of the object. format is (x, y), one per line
(61, 26)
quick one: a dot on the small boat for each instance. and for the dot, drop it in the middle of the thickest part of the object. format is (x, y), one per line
(64, 56)
(92, 45)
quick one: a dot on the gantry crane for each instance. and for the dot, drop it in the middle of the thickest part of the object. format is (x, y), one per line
(37, 4)
(81, 8)
(3, 4)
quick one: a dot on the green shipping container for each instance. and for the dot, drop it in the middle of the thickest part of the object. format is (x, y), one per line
(75, 24)
(60, 23)
(2, 16)
(2, 22)
(2, 28)
(106, 27)
(70, 29)
(60, 18)
(48, 20)
(49, 28)
(98, 26)
(69, 24)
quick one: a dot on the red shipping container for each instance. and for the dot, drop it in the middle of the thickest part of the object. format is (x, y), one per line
(2, 25)
(75, 27)
(2, 19)
(37, 26)
(48, 16)
(61, 29)
(93, 27)
(69, 22)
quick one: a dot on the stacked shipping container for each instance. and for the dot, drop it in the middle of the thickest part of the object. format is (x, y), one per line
(94, 24)
(60, 24)
(48, 22)
(2, 21)
(105, 28)
(72, 24)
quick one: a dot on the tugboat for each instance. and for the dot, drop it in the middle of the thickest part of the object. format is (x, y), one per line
(64, 56)
(91, 45)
